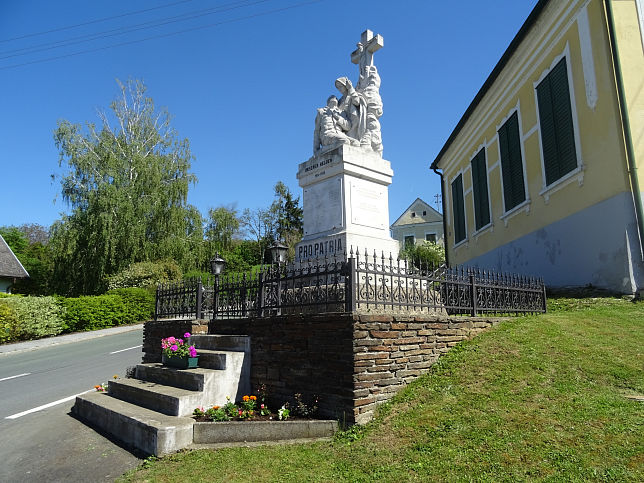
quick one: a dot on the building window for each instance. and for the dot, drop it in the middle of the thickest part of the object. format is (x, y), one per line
(459, 209)
(424, 212)
(479, 186)
(555, 124)
(511, 163)
(413, 214)
(430, 237)
(409, 241)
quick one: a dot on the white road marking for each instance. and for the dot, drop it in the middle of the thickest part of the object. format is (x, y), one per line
(128, 349)
(13, 377)
(48, 405)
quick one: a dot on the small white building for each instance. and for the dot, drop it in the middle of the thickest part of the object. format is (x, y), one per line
(418, 223)
(10, 267)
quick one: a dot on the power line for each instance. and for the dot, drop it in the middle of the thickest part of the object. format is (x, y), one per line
(104, 19)
(216, 24)
(124, 30)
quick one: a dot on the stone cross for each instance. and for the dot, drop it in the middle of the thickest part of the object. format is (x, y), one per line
(368, 44)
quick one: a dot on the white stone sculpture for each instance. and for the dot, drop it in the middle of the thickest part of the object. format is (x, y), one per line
(354, 119)
(331, 126)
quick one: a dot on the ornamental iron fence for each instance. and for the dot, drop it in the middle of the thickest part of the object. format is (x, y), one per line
(358, 282)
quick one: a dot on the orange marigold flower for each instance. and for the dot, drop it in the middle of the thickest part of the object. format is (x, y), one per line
(245, 398)
(215, 407)
(253, 398)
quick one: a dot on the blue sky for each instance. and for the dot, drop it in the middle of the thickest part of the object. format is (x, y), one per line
(242, 85)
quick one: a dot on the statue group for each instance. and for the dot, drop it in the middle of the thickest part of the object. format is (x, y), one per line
(354, 118)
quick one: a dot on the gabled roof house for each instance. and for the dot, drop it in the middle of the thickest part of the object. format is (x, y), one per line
(543, 174)
(10, 267)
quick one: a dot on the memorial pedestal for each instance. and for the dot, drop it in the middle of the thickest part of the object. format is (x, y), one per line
(345, 203)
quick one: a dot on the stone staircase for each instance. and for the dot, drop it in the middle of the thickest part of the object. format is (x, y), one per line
(152, 411)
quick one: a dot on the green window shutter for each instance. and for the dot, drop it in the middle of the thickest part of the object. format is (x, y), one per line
(555, 118)
(511, 163)
(459, 209)
(479, 186)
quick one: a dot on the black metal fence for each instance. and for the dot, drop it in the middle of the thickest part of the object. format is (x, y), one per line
(353, 283)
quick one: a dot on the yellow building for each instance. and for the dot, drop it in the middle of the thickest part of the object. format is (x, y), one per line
(417, 224)
(540, 175)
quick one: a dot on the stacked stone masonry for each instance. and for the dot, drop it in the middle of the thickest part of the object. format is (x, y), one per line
(352, 362)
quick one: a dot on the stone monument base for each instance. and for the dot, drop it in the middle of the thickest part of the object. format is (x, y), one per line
(345, 203)
(341, 245)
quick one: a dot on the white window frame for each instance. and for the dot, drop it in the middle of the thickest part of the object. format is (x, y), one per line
(525, 205)
(577, 173)
(487, 178)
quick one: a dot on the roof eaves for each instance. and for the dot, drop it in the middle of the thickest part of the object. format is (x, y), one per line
(516, 41)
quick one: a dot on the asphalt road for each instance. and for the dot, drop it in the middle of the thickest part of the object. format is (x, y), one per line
(40, 440)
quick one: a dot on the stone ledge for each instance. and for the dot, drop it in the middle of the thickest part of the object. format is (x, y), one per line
(262, 431)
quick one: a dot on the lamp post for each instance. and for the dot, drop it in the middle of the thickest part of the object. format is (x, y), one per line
(278, 253)
(217, 265)
(278, 256)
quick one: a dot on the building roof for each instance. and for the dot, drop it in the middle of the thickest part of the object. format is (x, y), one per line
(516, 41)
(418, 222)
(10, 266)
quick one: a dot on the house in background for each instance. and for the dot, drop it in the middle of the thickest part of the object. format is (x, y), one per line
(10, 267)
(540, 175)
(418, 223)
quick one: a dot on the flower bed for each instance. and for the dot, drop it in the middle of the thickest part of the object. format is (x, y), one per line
(250, 409)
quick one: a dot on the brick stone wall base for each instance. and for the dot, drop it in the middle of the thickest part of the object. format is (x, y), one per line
(352, 362)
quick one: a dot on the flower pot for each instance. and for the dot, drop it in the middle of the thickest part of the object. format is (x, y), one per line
(180, 362)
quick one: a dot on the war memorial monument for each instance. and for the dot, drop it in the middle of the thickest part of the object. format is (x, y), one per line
(345, 196)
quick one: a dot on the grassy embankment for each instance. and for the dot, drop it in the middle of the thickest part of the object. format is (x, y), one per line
(538, 397)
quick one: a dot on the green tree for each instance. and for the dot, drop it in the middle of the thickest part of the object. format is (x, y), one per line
(29, 244)
(221, 229)
(127, 186)
(427, 254)
(258, 224)
(286, 212)
(287, 218)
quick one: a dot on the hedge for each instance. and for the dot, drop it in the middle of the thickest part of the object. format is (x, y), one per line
(117, 307)
(25, 318)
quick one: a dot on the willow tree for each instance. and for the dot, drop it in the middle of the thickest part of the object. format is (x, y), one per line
(126, 183)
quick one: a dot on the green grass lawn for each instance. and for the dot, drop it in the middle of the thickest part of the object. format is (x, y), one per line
(536, 398)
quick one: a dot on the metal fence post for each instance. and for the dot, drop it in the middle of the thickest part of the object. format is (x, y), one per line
(215, 298)
(350, 285)
(473, 294)
(545, 304)
(156, 305)
(199, 299)
(261, 294)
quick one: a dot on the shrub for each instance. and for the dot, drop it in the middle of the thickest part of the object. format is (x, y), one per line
(145, 274)
(117, 307)
(138, 301)
(8, 324)
(24, 318)
(206, 278)
(94, 312)
(426, 254)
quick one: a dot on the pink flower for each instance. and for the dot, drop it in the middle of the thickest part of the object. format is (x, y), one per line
(174, 348)
(186, 335)
(193, 351)
(171, 339)
(180, 341)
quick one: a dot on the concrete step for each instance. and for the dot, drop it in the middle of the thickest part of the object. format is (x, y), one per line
(238, 343)
(193, 379)
(168, 400)
(211, 359)
(151, 432)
